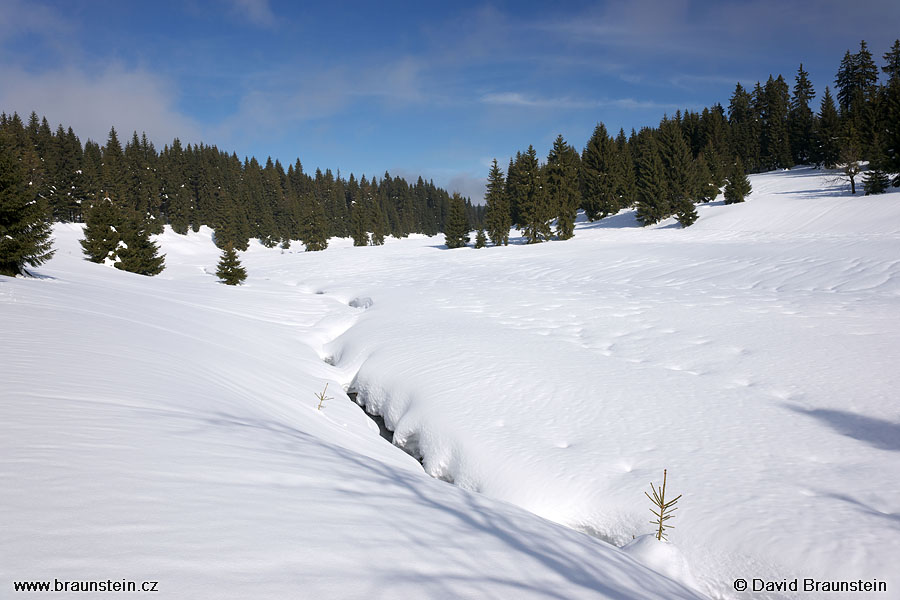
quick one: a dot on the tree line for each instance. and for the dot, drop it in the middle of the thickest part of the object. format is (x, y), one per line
(126, 193)
(665, 171)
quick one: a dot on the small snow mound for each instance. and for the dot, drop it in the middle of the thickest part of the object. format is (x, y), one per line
(362, 303)
(662, 557)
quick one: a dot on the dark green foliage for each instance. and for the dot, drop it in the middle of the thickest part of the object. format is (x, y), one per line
(456, 230)
(856, 79)
(102, 231)
(737, 185)
(775, 151)
(876, 182)
(24, 217)
(707, 189)
(652, 195)
(229, 270)
(233, 226)
(744, 138)
(600, 177)
(562, 186)
(534, 205)
(137, 253)
(313, 225)
(682, 185)
(497, 217)
(892, 62)
(480, 239)
(828, 136)
(890, 136)
(801, 119)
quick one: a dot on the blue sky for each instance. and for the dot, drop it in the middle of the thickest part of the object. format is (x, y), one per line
(437, 89)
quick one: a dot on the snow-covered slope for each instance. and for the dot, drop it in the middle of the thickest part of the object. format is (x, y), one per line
(166, 430)
(167, 426)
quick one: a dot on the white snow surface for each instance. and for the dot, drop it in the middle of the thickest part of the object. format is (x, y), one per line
(166, 428)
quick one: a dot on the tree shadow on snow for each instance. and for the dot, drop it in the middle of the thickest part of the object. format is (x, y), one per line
(878, 433)
(893, 518)
(533, 540)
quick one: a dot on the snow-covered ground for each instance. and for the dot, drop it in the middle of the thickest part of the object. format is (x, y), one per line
(166, 428)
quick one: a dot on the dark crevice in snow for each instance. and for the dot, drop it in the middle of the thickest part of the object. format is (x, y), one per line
(378, 419)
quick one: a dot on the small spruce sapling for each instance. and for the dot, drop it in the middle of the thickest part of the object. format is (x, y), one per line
(480, 239)
(664, 509)
(230, 271)
(323, 398)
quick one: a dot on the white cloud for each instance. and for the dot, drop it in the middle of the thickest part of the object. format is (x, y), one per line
(130, 100)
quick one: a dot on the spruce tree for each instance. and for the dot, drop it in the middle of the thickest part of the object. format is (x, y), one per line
(102, 231)
(562, 186)
(737, 185)
(137, 253)
(828, 132)
(456, 230)
(599, 177)
(652, 195)
(801, 119)
(534, 205)
(707, 189)
(892, 62)
(876, 181)
(480, 239)
(681, 178)
(24, 218)
(497, 217)
(776, 147)
(313, 226)
(230, 271)
(744, 127)
(358, 221)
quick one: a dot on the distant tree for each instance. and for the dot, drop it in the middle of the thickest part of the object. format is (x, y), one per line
(828, 133)
(707, 190)
(850, 157)
(24, 217)
(801, 119)
(737, 185)
(600, 180)
(562, 186)
(480, 239)
(744, 128)
(358, 222)
(113, 169)
(652, 195)
(775, 109)
(680, 175)
(892, 62)
(313, 224)
(456, 230)
(534, 206)
(857, 77)
(497, 217)
(230, 271)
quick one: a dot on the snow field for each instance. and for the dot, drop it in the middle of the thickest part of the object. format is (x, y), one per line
(752, 355)
(164, 429)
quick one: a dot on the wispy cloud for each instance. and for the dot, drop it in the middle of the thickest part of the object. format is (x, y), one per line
(130, 100)
(257, 11)
(28, 17)
(527, 101)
